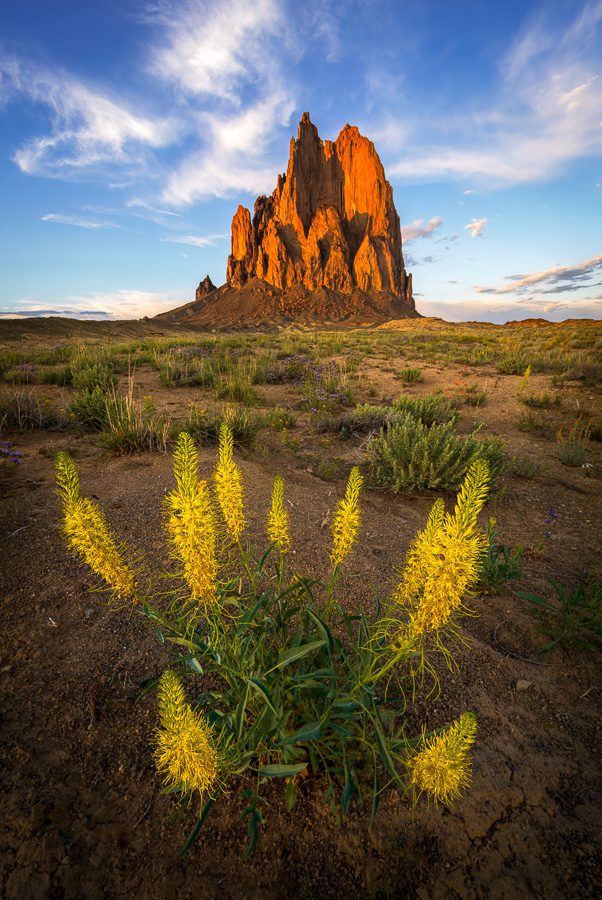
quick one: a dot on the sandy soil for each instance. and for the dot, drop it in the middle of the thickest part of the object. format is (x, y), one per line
(83, 816)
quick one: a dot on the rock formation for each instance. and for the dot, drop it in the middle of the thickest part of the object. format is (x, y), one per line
(205, 287)
(330, 223)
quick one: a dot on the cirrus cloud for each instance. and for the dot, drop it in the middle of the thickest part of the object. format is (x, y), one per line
(558, 279)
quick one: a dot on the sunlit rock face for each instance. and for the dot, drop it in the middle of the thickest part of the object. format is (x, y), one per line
(330, 223)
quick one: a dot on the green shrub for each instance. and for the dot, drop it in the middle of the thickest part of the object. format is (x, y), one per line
(411, 456)
(431, 408)
(541, 401)
(87, 410)
(181, 370)
(572, 445)
(280, 418)
(534, 423)
(91, 376)
(473, 395)
(325, 389)
(361, 420)
(525, 467)
(60, 375)
(500, 564)
(237, 388)
(205, 427)
(410, 375)
(23, 410)
(574, 619)
(132, 426)
(512, 364)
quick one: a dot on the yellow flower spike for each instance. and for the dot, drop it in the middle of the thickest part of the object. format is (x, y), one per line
(346, 522)
(191, 523)
(277, 524)
(88, 534)
(442, 766)
(228, 484)
(471, 497)
(184, 747)
(444, 560)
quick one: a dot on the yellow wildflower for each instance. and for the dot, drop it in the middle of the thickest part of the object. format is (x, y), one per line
(277, 524)
(228, 484)
(191, 523)
(185, 752)
(346, 522)
(443, 562)
(442, 766)
(87, 532)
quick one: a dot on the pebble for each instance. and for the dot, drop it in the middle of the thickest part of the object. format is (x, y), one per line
(523, 685)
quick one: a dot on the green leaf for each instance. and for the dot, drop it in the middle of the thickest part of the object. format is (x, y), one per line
(261, 562)
(383, 750)
(533, 598)
(308, 732)
(323, 628)
(251, 614)
(348, 792)
(295, 653)
(318, 673)
(240, 710)
(290, 795)
(197, 827)
(254, 821)
(193, 662)
(278, 770)
(345, 706)
(262, 689)
(375, 796)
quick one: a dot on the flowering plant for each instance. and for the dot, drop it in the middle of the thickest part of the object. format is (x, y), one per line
(291, 685)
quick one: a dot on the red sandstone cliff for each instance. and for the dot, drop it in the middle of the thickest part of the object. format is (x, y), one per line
(330, 223)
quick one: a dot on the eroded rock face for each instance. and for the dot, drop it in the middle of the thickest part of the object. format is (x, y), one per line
(205, 287)
(331, 222)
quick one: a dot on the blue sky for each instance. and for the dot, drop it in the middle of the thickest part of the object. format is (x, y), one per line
(131, 131)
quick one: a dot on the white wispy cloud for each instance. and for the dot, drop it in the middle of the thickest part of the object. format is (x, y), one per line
(419, 229)
(558, 279)
(78, 222)
(195, 240)
(545, 112)
(226, 62)
(87, 128)
(233, 158)
(214, 49)
(119, 304)
(507, 311)
(476, 227)
(137, 203)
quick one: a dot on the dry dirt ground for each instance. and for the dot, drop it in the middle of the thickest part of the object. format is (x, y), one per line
(82, 813)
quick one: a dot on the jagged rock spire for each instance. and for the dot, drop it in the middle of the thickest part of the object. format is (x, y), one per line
(330, 222)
